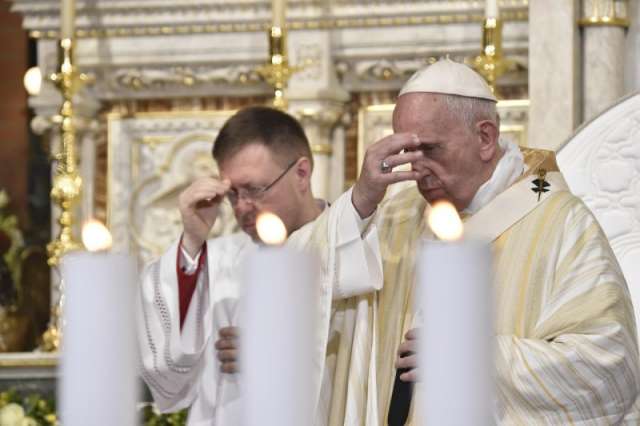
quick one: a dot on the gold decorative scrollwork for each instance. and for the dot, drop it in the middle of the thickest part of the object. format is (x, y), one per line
(605, 14)
(318, 24)
(154, 141)
(140, 79)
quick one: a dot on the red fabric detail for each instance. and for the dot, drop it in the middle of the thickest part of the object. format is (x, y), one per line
(187, 283)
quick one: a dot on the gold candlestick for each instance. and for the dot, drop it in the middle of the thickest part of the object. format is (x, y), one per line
(278, 71)
(66, 181)
(490, 63)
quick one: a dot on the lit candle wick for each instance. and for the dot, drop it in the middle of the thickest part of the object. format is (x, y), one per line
(96, 236)
(445, 222)
(270, 228)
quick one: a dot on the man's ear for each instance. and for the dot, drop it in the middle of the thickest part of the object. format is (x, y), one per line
(488, 133)
(303, 170)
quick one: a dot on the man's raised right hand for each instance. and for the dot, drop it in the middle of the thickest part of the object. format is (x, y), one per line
(394, 150)
(199, 205)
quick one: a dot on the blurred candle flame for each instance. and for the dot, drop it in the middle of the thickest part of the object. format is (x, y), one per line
(32, 81)
(445, 222)
(270, 228)
(96, 236)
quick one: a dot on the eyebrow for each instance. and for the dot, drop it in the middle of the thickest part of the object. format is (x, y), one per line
(246, 186)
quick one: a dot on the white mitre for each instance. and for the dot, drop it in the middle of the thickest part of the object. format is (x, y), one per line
(449, 78)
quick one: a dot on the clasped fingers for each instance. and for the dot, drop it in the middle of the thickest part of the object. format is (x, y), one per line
(227, 349)
(228, 355)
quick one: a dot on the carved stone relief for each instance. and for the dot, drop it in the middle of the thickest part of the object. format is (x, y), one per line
(138, 79)
(128, 18)
(210, 48)
(601, 164)
(153, 158)
(308, 56)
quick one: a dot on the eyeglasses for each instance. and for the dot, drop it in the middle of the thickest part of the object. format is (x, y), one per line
(255, 193)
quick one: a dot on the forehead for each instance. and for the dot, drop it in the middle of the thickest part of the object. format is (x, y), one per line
(420, 112)
(249, 165)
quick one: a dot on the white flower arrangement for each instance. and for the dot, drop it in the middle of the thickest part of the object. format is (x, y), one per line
(13, 414)
(31, 410)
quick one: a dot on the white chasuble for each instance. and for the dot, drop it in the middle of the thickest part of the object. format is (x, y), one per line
(181, 367)
(566, 350)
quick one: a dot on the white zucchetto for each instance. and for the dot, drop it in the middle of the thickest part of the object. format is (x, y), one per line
(449, 78)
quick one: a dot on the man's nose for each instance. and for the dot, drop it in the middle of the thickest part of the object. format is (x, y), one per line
(244, 205)
(422, 168)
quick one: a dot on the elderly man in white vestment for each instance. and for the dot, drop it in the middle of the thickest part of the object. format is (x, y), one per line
(189, 297)
(565, 344)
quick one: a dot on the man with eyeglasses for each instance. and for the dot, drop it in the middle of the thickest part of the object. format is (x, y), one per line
(189, 297)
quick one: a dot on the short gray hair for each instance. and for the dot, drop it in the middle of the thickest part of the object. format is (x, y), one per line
(471, 110)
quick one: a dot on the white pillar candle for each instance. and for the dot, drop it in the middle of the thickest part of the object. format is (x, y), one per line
(98, 382)
(278, 13)
(277, 337)
(455, 343)
(491, 9)
(67, 18)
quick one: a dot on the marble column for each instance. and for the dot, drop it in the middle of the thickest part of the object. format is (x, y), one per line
(338, 160)
(320, 120)
(317, 99)
(603, 57)
(89, 134)
(632, 49)
(554, 72)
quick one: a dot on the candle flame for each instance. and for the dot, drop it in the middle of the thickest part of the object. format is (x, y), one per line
(33, 81)
(445, 221)
(96, 236)
(270, 228)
